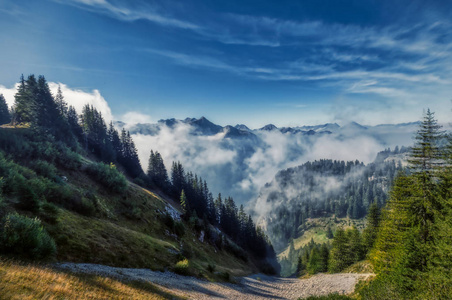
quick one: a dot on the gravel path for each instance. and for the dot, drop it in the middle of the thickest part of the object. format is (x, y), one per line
(252, 287)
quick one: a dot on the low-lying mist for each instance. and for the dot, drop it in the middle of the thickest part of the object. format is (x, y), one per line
(241, 166)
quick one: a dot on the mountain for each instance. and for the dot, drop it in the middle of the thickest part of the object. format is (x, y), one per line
(246, 158)
(323, 189)
(203, 126)
(242, 127)
(73, 189)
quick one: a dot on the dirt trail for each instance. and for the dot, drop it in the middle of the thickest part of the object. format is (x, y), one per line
(252, 287)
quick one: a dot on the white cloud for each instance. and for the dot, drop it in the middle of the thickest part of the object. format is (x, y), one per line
(79, 98)
(121, 12)
(9, 94)
(134, 117)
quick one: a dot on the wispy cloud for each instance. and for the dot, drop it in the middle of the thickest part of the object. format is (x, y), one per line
(122, 12)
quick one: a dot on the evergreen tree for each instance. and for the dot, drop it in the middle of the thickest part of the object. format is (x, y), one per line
(61, 104)
(157, 172)
(329, 232)
(315, 261)
(73, 121)
(373, 223)
(183, 202)
(412, 255)
(300, 266)
(177, 177)
(339, 254)
(426, 154)
(324, 258)
(5, 116)
(25, 103)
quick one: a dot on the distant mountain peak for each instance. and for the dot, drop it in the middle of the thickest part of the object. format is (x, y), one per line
(269, 127)
(242, 127)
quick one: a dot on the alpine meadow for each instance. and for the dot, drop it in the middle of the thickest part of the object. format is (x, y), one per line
(225, 149)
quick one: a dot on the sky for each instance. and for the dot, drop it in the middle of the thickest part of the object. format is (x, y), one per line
(253, 62)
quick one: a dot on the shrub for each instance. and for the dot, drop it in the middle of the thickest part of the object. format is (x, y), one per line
(45, 169)
(108, 176)
(26, 237)
(69, 159)
(87, 207)
(49, 212)
(179, 228)
(182, 267)
(187, 251)
(28, 200)
(211, 268)
(235, 250)
(225, 276)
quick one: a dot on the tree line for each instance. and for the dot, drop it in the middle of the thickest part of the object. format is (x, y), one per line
(197, 201)
(347, 246)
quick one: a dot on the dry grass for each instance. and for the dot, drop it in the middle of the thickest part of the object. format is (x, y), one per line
(18, 281)
(363, 266)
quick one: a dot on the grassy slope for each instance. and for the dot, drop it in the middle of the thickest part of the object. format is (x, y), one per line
(19, 281)
(316, 230)
(128, 231)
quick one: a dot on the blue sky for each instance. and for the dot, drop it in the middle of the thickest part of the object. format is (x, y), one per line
(253, 62)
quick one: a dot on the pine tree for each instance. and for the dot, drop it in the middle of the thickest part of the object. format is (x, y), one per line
(61, 104)
(371, 230)
(25, 103)
(300, 266)
(324, 258)
(73, 122)
(183, 202)
(5, 116)
(177, 177)
(426, 154)
(329, 233)
(339, 254)
(315, 261)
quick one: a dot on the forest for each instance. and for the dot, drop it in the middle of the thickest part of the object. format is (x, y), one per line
(325, 189)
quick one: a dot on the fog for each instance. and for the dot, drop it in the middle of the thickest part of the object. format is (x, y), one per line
(241, 166)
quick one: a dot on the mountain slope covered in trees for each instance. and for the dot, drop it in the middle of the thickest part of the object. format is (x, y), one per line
(72, 189)
(323, 188)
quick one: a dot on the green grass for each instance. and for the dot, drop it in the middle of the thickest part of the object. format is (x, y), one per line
(316, 230)
(119, 229)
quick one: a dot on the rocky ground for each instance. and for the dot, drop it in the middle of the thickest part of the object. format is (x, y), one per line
(252, 287)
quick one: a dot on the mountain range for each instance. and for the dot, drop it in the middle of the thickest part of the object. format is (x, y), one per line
(241, 160)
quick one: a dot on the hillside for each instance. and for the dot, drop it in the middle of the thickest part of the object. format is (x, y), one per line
(305, 205)
(91, 223)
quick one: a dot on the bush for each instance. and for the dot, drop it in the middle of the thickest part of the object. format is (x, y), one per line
(28, 200)
(108, 176)
(179, 228)
(23, 236)
(211, 268)
(45, 169)
(87, 207)
(50, 212)
(225, 276)
(69, 159)
(182, 267)
(235, 250)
